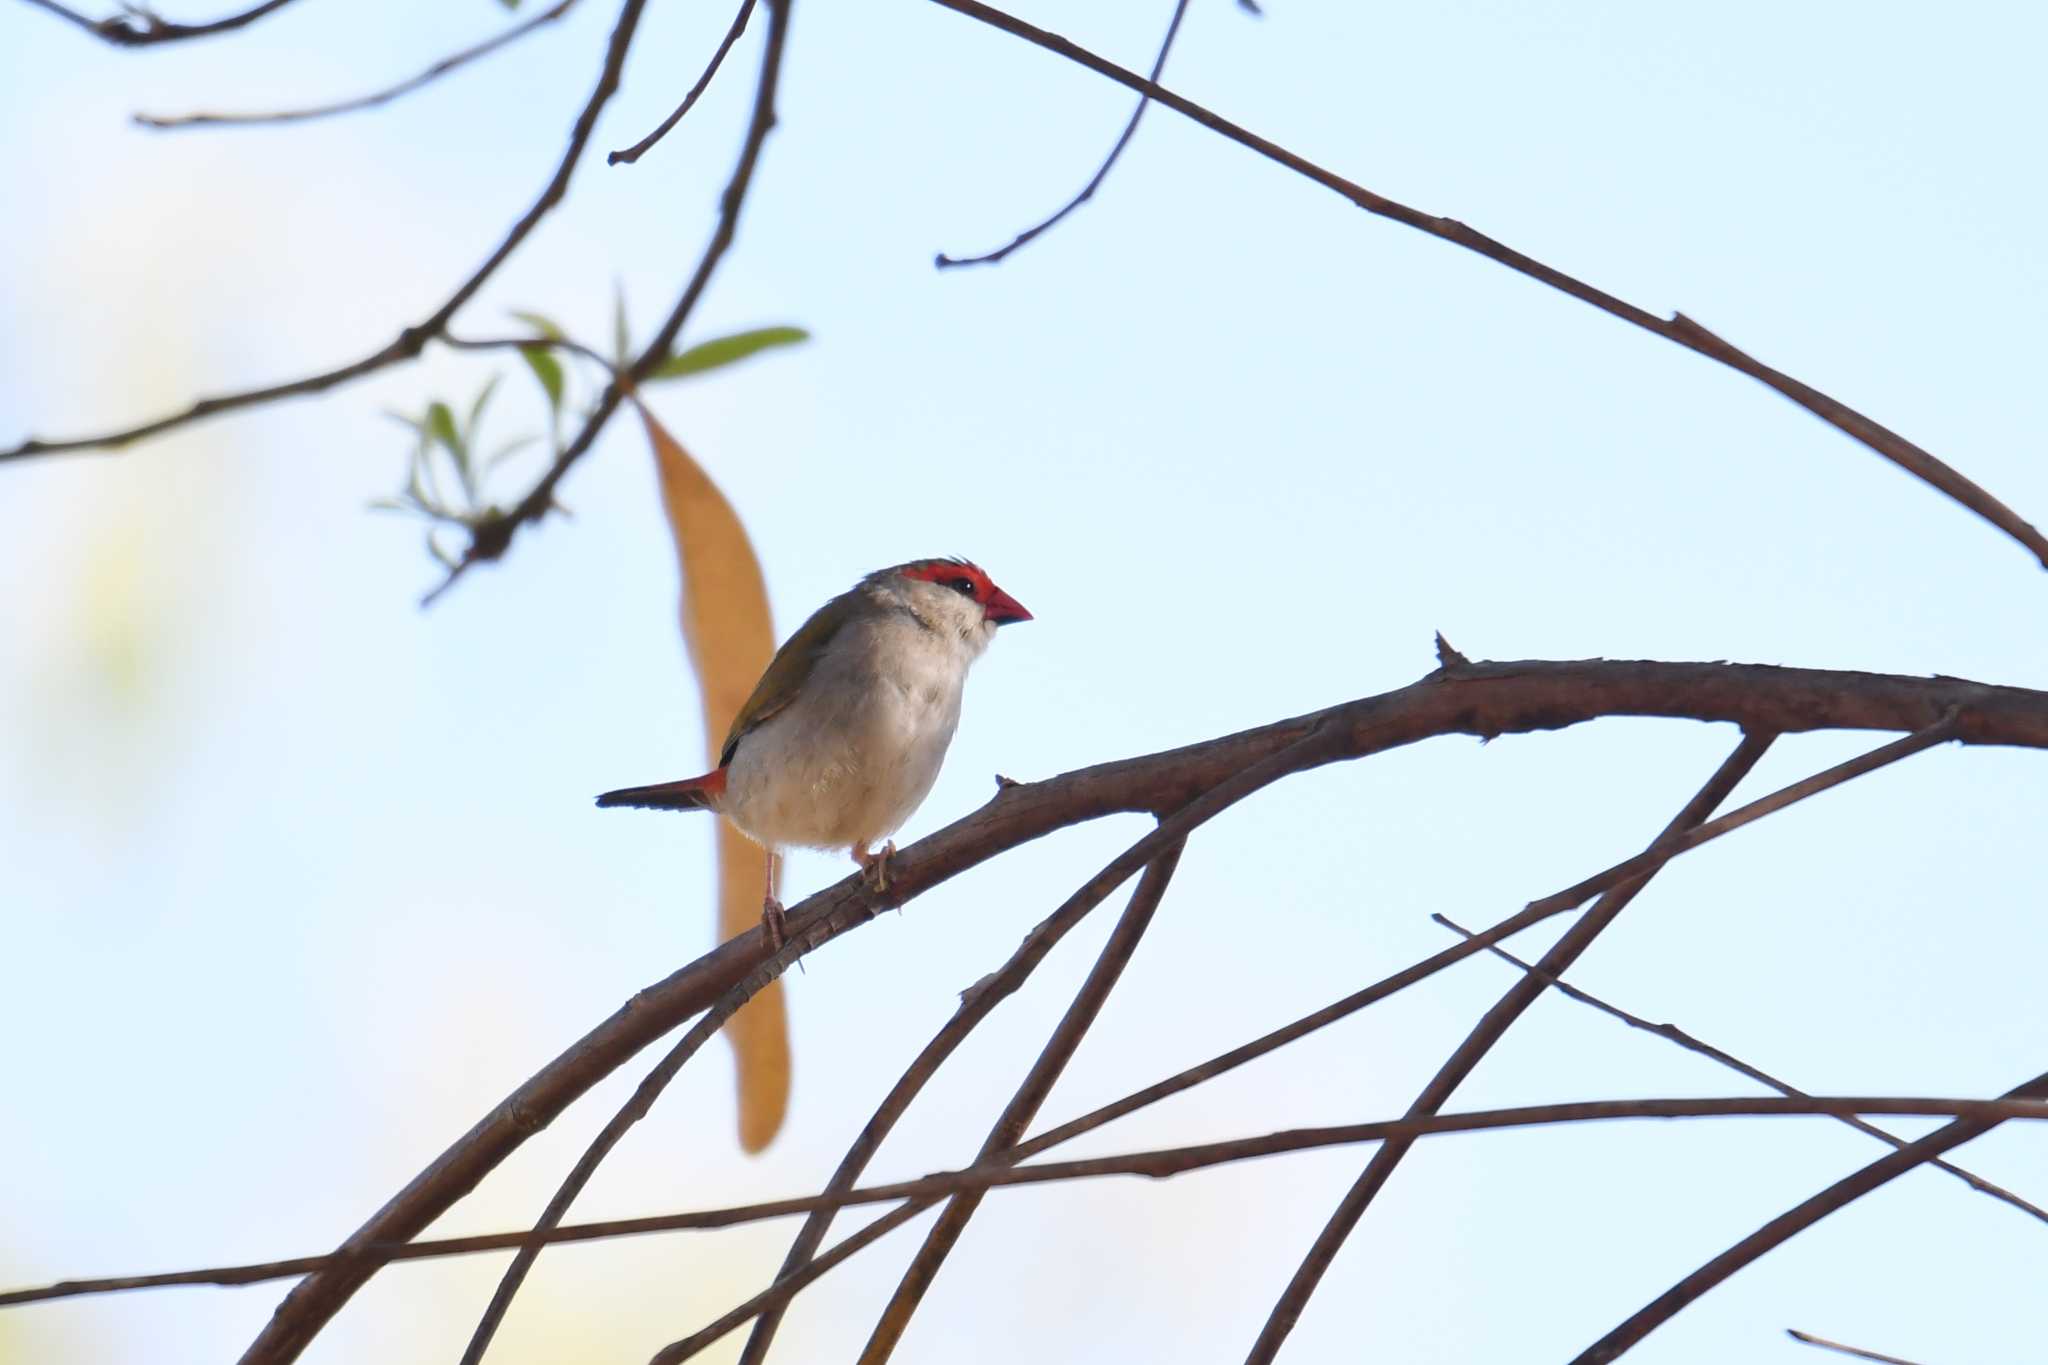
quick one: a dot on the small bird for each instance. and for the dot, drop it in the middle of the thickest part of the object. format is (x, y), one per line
(842, 738)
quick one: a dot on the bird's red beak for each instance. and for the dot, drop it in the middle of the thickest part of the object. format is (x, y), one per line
(1002, 608)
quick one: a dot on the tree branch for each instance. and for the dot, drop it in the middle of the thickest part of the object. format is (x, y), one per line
(140, 28)
(1156, 1163)
(452, 62)
(1486, 699)
(1490, 1029)
(489, 540)
(943, 261)
(1023, 1107)
(977, 1002)
(732, 35)
(1796, 1220)
(1673, 1033)
(1678, 328)
(412, 340)
(1685, 831)
(1809, 1339)
(636, 1108)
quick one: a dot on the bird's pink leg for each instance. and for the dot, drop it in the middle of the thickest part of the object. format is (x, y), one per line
(874, 867)
(771, 910)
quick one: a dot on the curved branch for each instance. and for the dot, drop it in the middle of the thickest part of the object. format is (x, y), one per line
(1920, 463)
(1494, 1025)
(489, 540)
(1809, 1339)
(945, 262)
(140, 28)
(1023, 1107)
(732, 35)
(1674, 1034)
(1795, 1220)
(411, 341)
(977, 1002)
(1158, 1164)
(1487, 699)
(452, 62)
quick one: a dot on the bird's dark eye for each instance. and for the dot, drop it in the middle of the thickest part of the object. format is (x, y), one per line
(963, 586)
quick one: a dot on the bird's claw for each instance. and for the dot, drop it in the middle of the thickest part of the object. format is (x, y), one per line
(773, 924)
(874, 867)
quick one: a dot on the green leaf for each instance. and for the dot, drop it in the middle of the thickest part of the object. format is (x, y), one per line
(440, 425)
(476, 411)
(711, 355)
(508, 450)
(542, 324)
(547, 370)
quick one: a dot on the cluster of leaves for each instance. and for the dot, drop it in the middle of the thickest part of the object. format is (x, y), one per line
(451, 465)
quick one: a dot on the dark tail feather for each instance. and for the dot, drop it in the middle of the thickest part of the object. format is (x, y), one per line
(692, 793)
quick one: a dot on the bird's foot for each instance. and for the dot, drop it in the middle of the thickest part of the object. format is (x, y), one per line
(773, 924)
(874, 867)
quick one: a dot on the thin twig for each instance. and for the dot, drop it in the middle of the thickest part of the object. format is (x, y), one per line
(1023, 1106)
(139, 28)
(1796, 1220)
(732, 35)
(1680, 329)
(488, 540)
(590, 353)
(411, 341)
(1673, 1033)
(943, 261)
(1155, 1163)
(977, 1002)
(1495, 1023)
(452, 62)
(1809, 1339)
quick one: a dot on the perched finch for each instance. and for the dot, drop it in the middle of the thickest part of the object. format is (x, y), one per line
(843, 736)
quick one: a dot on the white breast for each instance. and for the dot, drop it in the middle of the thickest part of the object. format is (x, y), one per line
(855, 755)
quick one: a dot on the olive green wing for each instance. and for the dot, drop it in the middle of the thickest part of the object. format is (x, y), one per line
(788, 671)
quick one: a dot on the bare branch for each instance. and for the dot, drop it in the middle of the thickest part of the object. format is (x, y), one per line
(732, 35)
(1678, 328)
(137, 27)
(1796, 1220)
(489, 540)
(1495, 1023)
(630, 1113)
(1484, 699)
(1156, 1163)
(1023, 1107)
(413, 339)
(943, 261)
(810, 927)
(977, 1002)
(1809, 1339)
(1675, 1034)
(452, 62)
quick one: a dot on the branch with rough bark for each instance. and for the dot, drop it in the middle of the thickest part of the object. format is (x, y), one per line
(1185, 787)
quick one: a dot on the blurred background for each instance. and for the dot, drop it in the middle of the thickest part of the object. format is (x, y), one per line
(299, 880)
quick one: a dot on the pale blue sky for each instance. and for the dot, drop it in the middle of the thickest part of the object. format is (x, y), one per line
(300, 880)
